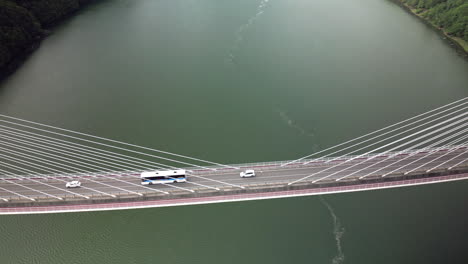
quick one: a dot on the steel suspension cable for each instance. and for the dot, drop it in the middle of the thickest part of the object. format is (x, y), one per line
(107, 145)
(82, 148)
(61, 158)
(361, 155)
(55, 187)
(414, 153)
(85, 149)
(113, 141)
(67, 153)
(83, 171)
(395, 135)
(52, 171)
(455, 165)
(424, 156)
(379, 130)
(411, 141)
(432, 160)
(445, 162)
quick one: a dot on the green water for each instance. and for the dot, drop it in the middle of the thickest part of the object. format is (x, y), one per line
(242, 81)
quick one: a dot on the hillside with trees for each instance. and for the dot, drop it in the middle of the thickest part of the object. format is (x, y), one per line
(449, 15)
(22, 24)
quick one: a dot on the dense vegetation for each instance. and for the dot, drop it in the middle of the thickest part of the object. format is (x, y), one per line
(49, 11)
(22, 24)
(19, 29)
(450, 15)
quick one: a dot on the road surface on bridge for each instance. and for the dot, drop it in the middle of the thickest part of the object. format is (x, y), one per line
(228, 179)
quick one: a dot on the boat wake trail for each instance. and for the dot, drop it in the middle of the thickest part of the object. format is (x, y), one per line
(239, 38)
(291, 123)
(338, 231)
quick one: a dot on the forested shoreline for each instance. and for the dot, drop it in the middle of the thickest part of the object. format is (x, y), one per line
(449, 16)
(23, 23)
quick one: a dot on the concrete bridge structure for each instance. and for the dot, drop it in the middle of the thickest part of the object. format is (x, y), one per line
(37, 160)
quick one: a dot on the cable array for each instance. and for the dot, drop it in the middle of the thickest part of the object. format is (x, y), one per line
(37, 152)
(440, 128)
(37, 159)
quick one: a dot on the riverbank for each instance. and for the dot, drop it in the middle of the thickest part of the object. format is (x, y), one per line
(24, 23)
(460, 44)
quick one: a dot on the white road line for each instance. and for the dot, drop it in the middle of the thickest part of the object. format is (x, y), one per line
(461, 162)
(41, 192)
(225, 183)
(15, 193)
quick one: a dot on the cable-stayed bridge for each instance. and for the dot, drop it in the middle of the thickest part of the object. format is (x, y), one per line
(36, 160)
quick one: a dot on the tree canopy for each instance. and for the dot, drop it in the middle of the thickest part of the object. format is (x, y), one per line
(451, 15)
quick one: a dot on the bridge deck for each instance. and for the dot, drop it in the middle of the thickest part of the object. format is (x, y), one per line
(224, 198)
(16, 191)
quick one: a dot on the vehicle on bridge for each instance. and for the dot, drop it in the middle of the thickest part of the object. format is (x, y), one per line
(73, 184)
(247, 174)
(163, 176)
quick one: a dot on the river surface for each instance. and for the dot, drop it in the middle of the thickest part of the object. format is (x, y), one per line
(242, 81)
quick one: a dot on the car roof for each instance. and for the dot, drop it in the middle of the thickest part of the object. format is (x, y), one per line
(249, 171)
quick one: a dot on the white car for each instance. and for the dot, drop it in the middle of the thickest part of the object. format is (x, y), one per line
(247, 174)
(73, 184)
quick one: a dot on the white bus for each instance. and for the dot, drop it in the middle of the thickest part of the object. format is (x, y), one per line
(162, 176)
